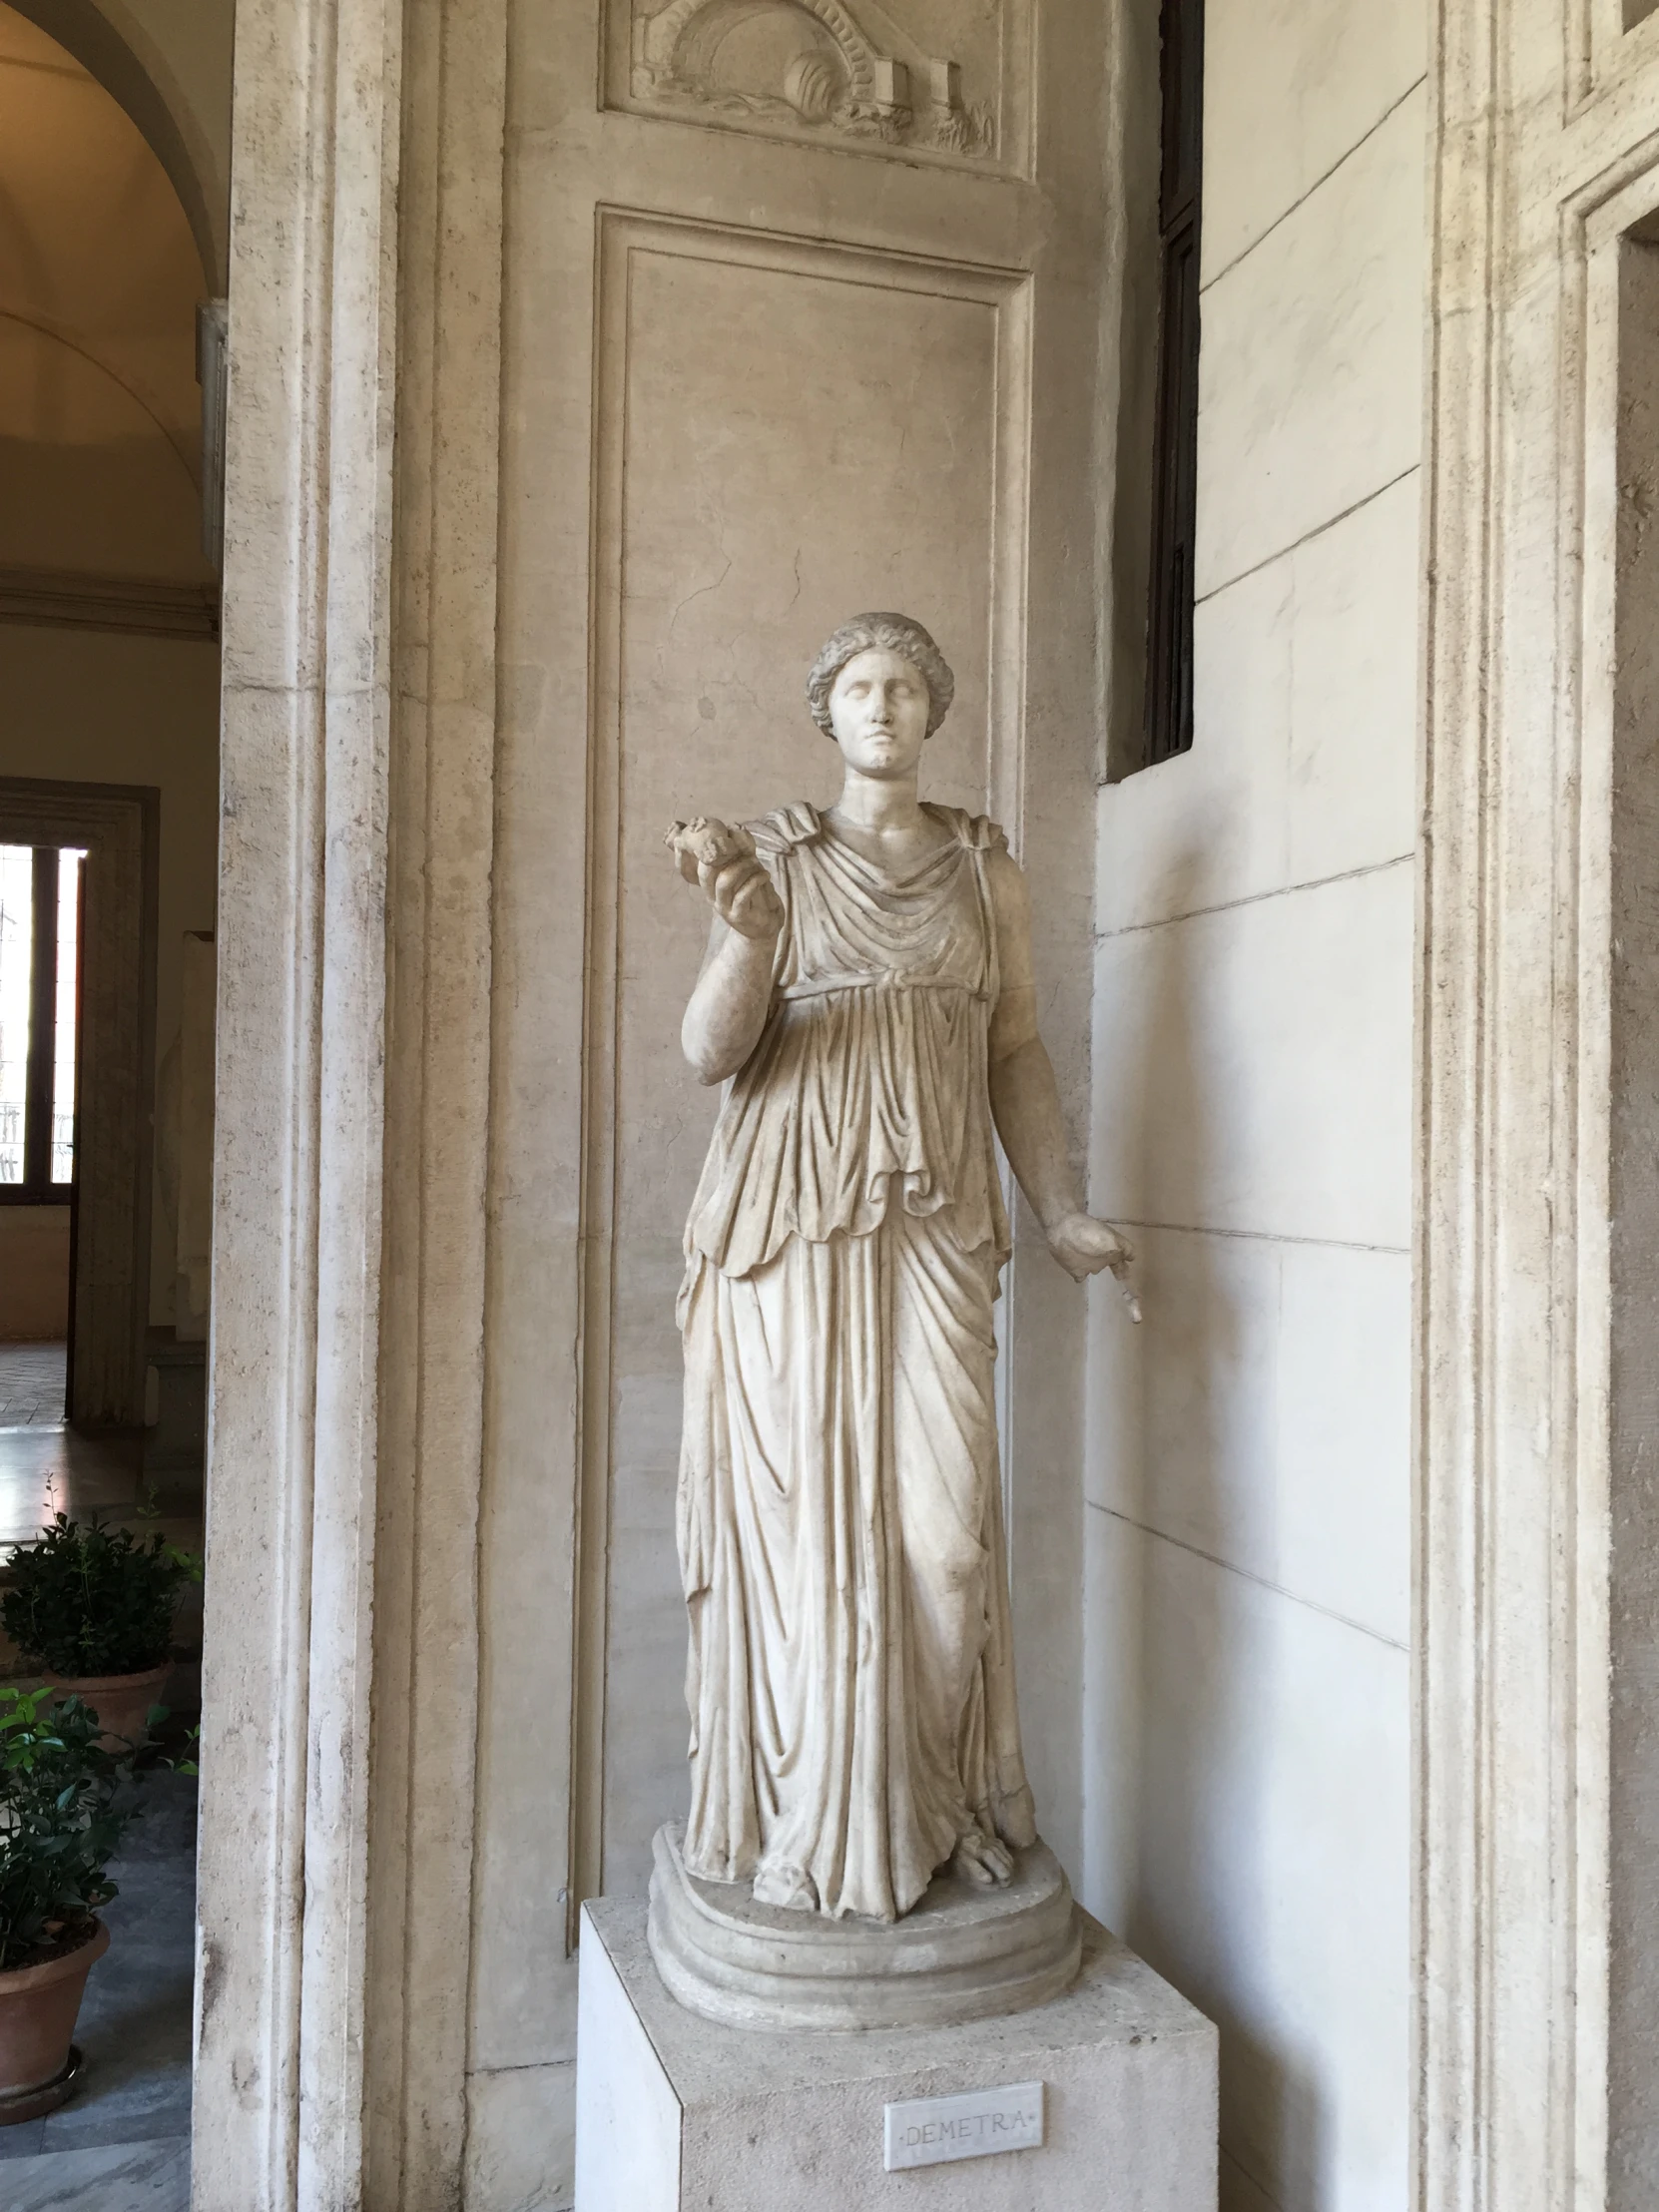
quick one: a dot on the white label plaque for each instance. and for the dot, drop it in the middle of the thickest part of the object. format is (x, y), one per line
(929, 2130)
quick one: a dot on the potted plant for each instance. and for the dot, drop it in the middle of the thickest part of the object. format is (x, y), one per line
(92, 1608)
(58, 1828)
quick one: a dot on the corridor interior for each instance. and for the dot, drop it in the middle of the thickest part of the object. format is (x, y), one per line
(110, 257)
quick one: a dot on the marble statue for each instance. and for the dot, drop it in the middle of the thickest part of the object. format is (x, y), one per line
(867, 991)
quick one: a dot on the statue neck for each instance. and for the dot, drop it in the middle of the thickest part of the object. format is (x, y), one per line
(885, 806)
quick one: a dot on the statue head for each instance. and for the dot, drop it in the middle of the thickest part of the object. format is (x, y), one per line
(882, 634)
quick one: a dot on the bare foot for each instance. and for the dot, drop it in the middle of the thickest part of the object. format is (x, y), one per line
(982, 1860)
(786, 1887)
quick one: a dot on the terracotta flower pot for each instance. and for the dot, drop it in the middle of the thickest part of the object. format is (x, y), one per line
(38, 2005)
(121, 1701)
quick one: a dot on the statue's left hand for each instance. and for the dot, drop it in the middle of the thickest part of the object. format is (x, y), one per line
(1083, 1246)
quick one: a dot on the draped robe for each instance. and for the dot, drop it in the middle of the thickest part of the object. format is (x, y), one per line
(840, 1521)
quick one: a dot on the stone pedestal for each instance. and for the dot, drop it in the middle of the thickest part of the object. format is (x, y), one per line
(674, 2112)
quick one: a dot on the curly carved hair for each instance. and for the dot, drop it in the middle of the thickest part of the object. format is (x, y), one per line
(881, 633)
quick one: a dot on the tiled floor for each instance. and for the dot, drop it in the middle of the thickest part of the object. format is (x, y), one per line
(121, 2143)
(31, 1383)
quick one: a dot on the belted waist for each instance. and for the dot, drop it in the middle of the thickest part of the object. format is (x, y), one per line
(880, 979)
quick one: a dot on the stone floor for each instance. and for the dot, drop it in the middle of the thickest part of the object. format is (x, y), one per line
(121, 2143)
(32, 1380)
(123, 2177)
(47, 1469)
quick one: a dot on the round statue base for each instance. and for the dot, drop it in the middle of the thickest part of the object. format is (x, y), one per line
(963, 1954)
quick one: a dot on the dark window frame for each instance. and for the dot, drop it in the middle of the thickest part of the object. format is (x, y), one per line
(1168, 681)
(37, 1187)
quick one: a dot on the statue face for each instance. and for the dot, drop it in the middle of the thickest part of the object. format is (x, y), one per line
(878, 712)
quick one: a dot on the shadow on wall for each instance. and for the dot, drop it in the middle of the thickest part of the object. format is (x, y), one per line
(1203, 1897)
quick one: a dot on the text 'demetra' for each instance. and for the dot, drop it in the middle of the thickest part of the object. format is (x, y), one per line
(928, 2131)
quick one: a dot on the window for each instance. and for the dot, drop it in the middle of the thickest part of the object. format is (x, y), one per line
(1169, 688)
(40, 926)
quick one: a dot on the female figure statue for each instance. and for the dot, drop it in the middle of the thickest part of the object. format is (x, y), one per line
(868, 990)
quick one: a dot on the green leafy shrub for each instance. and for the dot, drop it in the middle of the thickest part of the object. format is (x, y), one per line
(89, 1600)
(59, 1824)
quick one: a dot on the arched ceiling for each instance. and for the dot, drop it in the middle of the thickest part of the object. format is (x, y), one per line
(167, 62)
(100, 278)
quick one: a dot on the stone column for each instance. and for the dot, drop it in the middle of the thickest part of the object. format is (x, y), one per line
(1537, 2025)
(345, 1392)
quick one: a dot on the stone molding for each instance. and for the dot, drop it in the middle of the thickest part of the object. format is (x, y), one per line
(438, 966)
(1545, 155)
(279, 2084)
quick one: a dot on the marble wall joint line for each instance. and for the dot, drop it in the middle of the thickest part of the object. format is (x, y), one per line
(1302, 197)
(1261, 1581)
(1328, 522)
(1260, 1235)
(1255, 899)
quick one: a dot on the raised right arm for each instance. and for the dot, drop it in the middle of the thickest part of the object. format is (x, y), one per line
(727, 1009)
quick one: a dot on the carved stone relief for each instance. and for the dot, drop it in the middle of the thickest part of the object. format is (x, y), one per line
(806, 67)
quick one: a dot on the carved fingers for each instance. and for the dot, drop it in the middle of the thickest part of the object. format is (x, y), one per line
(743, 898)
(1083, 1246)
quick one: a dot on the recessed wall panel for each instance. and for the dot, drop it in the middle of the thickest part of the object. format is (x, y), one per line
(788, 435)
